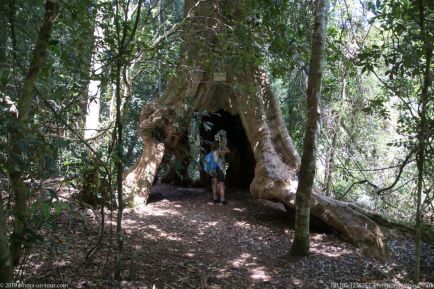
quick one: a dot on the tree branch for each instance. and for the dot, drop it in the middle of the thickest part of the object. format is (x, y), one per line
(157, 40)
(401, 169)
(357, 183)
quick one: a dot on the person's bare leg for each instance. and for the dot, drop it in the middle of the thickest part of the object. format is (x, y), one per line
(214, 189)
(221, 187)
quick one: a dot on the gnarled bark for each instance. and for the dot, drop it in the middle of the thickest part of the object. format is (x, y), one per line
(247, 93)
(162, 127)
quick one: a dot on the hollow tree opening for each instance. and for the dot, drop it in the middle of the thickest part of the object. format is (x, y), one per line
(246, 92)
(241, 161)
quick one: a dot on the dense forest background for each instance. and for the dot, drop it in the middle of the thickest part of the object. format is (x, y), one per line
(75, 75)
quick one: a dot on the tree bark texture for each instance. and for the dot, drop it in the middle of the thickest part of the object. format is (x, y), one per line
(4, 67)
(300, 245)
(423, 133)
(246, 93)
(5, 257)
(18, 134)
(178, 164)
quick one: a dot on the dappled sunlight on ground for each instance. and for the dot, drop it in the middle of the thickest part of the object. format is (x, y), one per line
(320, 245)
(155, 211)
(183, 240)
(129, 223)
(241, 210)
(242, 261)
(259, 273)
(158, 233)
(243, 225)
(248, 262)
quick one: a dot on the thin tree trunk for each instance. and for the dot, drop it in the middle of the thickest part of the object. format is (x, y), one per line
(327, 162)
(94, 87)
(160, 22)
(300, 245)
(123, 42)
(422, 134)
(12, 11)
(4, 70)
(119, 171)
(5, 257)
(331, 162)
(118, 133)
(328, 176)
(18, 136)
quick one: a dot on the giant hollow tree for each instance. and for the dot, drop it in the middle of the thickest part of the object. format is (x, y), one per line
(218, 73)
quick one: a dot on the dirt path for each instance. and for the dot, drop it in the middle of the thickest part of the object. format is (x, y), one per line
(183, 240)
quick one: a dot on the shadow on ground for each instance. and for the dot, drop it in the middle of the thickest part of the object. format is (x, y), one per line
(183, 240)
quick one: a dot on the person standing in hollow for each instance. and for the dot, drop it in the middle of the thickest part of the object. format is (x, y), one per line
(218, 176)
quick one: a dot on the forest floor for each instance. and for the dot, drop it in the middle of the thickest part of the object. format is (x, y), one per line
(181, 239)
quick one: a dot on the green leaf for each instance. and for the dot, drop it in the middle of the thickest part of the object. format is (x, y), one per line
(46, 209)
(58, 206)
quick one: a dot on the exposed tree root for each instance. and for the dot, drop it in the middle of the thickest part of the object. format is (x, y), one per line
(247, 93)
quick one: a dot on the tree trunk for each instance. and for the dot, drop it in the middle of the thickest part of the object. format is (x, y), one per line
(5, 257)
(160, 23)
(423, 132)
(118, 136)
(178, 165)
(300, 246)
(246, 93)
(330, 163)
(330, 157)
(18, 136)
(94, 87)
(119, 168)
(4, 67)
